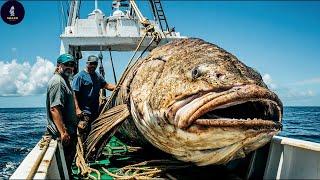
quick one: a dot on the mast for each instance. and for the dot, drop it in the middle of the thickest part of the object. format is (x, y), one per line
(73, 12)
(95, 4)
(121, 31)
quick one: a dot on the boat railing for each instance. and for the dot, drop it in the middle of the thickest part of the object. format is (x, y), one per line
(293, 159)
(45, 161)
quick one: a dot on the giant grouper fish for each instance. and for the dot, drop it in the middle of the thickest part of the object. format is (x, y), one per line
(193, 100)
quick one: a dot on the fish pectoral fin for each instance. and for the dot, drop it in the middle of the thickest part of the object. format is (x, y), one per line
(103, 128)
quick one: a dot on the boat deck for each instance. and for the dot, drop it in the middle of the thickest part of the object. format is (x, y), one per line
(283, 158)
(124, 162)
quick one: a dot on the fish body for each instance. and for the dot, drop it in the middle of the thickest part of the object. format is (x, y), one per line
(196, 101)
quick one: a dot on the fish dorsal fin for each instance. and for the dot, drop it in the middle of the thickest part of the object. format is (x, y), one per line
(103, 128)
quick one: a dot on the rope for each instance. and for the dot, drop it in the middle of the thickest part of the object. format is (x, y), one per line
(107, 104)
(146, 169)
(128, 67)
(114, 73)
(137, 173)
(103, 129)
(43, 145)
(102, 96)
(83, 167)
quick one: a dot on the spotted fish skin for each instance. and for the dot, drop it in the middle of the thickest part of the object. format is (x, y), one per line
(196, 101)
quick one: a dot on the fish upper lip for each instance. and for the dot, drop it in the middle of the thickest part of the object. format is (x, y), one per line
(186, 112)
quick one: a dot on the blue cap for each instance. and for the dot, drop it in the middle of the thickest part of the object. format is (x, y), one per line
(64, 58)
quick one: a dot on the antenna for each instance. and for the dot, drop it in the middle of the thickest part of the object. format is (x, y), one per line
(96, 4)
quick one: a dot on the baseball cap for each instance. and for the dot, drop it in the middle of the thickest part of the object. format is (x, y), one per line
(92, 58)
(64, 58)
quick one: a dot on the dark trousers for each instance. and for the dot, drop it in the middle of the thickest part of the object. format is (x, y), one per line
(69, 153)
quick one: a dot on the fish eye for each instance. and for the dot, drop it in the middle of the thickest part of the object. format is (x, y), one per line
(196, 73)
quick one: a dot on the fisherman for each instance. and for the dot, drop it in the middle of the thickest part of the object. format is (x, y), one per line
(62, 119)
(86, 86)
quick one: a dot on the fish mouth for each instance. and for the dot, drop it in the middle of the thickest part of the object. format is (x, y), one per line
(246, 106)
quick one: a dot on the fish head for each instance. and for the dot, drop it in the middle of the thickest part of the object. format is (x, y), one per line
(203, 105)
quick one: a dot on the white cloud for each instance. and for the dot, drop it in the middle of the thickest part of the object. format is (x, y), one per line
(24, 79)
(310, 93)
(288, 92)
(299, 94)
(315, 80)
(268, 80)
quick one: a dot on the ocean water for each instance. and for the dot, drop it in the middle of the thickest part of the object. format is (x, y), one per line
(301, 123)
(21, 129)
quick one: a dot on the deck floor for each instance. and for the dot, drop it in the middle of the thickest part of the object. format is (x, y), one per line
(117, 156)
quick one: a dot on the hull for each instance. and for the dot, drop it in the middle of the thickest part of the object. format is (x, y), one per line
(287, 159)
(293, 159)
(45, 161)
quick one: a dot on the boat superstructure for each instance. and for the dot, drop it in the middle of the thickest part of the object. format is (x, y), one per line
(126, 29)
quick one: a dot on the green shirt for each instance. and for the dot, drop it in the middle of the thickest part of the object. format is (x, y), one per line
(59, 93)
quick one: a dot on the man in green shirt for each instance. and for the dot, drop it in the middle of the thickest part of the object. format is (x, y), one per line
(62, 119)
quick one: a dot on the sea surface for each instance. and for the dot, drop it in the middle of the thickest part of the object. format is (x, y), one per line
(22, 128)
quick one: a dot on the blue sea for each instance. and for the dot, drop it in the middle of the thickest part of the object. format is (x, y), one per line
(22, 128)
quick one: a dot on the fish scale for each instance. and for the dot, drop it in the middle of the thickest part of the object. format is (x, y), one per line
(156, 87)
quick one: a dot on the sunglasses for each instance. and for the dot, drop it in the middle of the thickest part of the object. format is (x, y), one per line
(69, 64)
(93, 63)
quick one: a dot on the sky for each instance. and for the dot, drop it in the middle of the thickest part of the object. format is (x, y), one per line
(280, 39)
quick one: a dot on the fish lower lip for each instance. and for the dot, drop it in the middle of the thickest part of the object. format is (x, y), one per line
(238, 96)
(240, 123)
